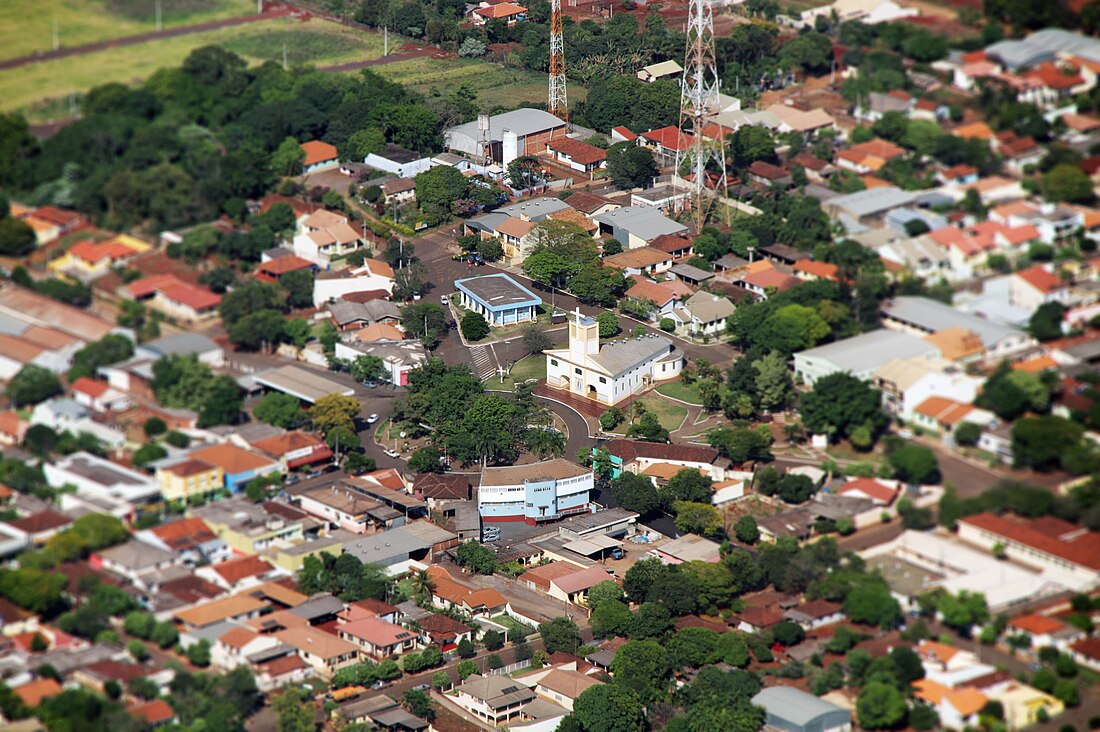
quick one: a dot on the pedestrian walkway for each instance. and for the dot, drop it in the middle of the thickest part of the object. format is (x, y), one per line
(485, 364)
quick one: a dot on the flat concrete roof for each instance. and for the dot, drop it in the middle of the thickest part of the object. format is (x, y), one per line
(306, 385)
(498, 291)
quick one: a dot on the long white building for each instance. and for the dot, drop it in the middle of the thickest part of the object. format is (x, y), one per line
(543, 491)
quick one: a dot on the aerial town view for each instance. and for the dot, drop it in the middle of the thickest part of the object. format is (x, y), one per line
(549, 365)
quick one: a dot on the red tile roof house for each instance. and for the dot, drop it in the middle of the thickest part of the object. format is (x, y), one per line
(190, 538)
(1037, 285)
(175, 298)
(678, 246)
(882, 492)
(1047, 543)
(1043, 631)
(38, 528)
(239, 572)
(156, 713)
(664, 298)
(295, 449)
(508, 12)
(443, 631)
(98, 396)
(377, 638)
(578, 155)
(666, 142)
(767, 174)
(12, 428)
(273, 269)
(319, 156)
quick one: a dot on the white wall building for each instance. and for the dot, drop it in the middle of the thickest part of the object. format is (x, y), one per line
(373, 275)
(611, 371)
(537, 492)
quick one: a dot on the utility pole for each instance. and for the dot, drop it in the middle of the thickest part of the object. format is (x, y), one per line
(159, 24)
(284, 57)
(699, 108)
(385, 41)
(556, 101)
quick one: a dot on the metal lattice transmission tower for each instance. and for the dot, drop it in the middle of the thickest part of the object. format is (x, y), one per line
(556, 101)
(699, 107)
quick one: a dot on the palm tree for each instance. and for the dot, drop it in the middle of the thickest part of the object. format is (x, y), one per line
(422, 584)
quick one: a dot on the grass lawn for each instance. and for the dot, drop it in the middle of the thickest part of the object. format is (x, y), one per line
(512, 624)
(679, 390)
(316, 41)
(669, 414)
(491, 84)
(530, 367)
(26, 26)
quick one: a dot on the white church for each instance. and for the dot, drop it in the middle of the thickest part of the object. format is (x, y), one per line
(611, 371)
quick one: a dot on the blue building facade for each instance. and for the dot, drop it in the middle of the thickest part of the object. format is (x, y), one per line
(499, 299)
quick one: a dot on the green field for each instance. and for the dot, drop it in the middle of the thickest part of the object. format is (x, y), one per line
(492, 84)
(669, 414)
(679, 390)
(316, 42)
(531, 367)
(26, 26)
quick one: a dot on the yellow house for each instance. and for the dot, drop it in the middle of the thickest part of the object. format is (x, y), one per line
(254, 528)
(1022, 704)
(87, 259)
(191, 477)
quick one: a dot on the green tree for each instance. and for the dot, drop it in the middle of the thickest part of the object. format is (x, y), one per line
(697, 518)
(474, 327)
(419, 704)
(440, 186)
(608, 708)
(1067, 182)
(148, 453)
(288, 158)
(16, 237)
(642, 666)
(793, 328)
(363, 142)
(279, 410)
(839, 404)
(199, 653)
(110, 349)
(1046, 322)
(687, 484)
(630, 166)
(1041, 443)
(477, 557)
(335, 411)
(880, 706)
(466, 668)
(635, 493)
(746, 530)
(603, 593)
(608, 324)
(773, 381)
(294, 710)
(870, 602)
(963, 611)
(426, 321)
(915, 464)
(560, 634)
(33, 384)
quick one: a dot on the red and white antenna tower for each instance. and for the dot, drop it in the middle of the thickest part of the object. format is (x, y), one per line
(699, 107)
(556, 101)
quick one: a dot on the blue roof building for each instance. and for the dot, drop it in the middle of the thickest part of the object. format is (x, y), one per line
(499, 298)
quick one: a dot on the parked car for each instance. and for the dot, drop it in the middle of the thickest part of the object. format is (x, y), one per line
(292, 479)
(422, 687)
(444, 299)
(313, 474)
(392, 453)
(372, 419)
(330, 468)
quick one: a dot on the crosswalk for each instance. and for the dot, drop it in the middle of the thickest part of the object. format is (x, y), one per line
(485, 365)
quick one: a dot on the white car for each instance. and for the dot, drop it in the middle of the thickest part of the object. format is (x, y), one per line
(372, 419)
(443, 299)
(392, 453)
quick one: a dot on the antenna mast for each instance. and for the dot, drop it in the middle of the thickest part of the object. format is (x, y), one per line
(556, 101)
(699, 107)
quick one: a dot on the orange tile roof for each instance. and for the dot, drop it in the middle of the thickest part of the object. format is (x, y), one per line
(316, 642)
(1036, 365)
(155, 712)
(979, 130)
(196, 298)
(943, 410)
(824, 270)
(34, 692)
(1041, 279)
(1036, 624)
(670, 138)
(449, 589)
(655, 292)
(956, 343)
(640, 257)
(238, 637)
(873, 153)
(580, 152)
(191, 466)
(235, 570)
(91, 387)
(147, 286)
(939, 651)
(966, 701)
(318, 152)
(17, 349)
(625, 133)
(501, 10)
(93, 252)
(1048, 535)
(516, 227)
(870, 487)
(284, 264)
(379, 332)
(209, 613)
(185, 533)
(231, 459)
(280, 445)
